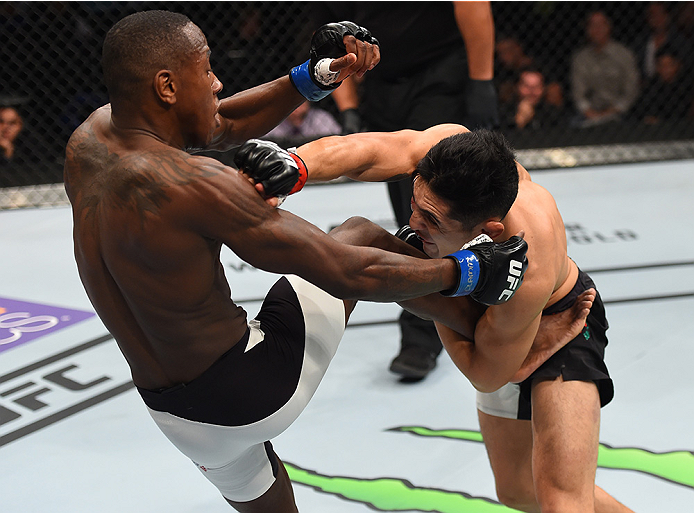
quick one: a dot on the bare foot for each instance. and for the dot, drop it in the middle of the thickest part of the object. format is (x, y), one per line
(555, 332)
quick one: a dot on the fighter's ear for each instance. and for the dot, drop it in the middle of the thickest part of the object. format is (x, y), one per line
(165, 86)
(492, 227)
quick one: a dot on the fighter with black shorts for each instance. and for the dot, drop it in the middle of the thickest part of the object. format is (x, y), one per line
(582, 359)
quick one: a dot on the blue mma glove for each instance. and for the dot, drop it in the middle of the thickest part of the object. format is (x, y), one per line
(313, 79)
(280, 171)
(490, 273)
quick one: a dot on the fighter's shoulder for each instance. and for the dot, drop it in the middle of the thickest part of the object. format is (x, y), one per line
(97, 120)
(198, 175)
(89, 126)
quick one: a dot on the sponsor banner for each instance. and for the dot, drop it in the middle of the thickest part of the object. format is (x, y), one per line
(22, 321)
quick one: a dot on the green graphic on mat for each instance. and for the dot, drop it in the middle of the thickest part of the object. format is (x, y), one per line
(675, 466)
(394, 494)
(391, 494)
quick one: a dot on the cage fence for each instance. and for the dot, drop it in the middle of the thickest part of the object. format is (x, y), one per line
(51, 77)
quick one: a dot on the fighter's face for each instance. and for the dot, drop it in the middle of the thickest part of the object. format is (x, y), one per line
(430, 219)
(198, 94)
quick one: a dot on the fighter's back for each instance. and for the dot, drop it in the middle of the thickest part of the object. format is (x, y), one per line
(155, 281)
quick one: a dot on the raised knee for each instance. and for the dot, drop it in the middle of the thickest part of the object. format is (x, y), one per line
(356, 230)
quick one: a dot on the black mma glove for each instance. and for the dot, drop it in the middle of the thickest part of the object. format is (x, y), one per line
(280, 171)
(313, 79)
(489, 272)
(408, 235)
(481, 106)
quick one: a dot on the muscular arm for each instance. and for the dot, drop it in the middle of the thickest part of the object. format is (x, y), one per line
(371, 157)
(505, 351)
(254, 112)
(503, 335)
(458, 313)
(224, 206)
(476, 25)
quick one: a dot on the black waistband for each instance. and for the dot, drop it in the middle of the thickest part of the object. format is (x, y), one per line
(174, 398)
(583, 282)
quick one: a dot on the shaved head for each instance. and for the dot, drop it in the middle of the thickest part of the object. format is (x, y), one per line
(140, 45)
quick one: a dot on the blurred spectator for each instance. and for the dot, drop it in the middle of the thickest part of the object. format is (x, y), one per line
(604, 75)
(668, 95)
(10, 127)
(662, 33)
(20, 152)
(684, 19)
(535, 106)
(511, 59)
(305, 122)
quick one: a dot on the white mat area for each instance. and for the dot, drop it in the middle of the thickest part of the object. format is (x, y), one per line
(75, 437)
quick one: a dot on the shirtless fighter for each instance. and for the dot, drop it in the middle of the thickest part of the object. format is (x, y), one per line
(539, 403)
(149, 223)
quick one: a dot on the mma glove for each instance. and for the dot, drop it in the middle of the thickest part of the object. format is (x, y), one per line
(407, 234)
(489, 273)
(313, 79)
(280, 171)
(481, 107)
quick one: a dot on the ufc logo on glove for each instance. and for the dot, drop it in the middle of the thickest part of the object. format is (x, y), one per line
(514, 269)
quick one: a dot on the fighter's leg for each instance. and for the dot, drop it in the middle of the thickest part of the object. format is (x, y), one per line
(279, 498)
(605, 503)
(459, 313)
(238, 459)
(359, 231)
(509, 447)
(566, 426)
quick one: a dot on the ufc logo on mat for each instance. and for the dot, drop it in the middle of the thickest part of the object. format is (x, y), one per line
(514, 273)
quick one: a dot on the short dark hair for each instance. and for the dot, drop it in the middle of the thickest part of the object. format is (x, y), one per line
(475, 173)
(142, 44)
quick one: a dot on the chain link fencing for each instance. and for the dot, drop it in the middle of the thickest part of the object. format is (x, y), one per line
(50, 78)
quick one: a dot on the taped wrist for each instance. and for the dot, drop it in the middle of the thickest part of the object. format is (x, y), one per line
(468, 268)
(314, 81)
(468, 273)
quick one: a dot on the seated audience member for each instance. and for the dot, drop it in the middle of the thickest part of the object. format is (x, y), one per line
(511, 59)
(604, 75)
(668, 95)
(536, 106)
(24, 159)
(10, 127)
(304, 123)
(15, 156)
(661, 33)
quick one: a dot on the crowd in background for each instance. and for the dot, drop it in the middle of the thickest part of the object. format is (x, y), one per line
(565, 71)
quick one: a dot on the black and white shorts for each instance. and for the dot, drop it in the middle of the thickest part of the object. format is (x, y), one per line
(582, 359)
(223, 420)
